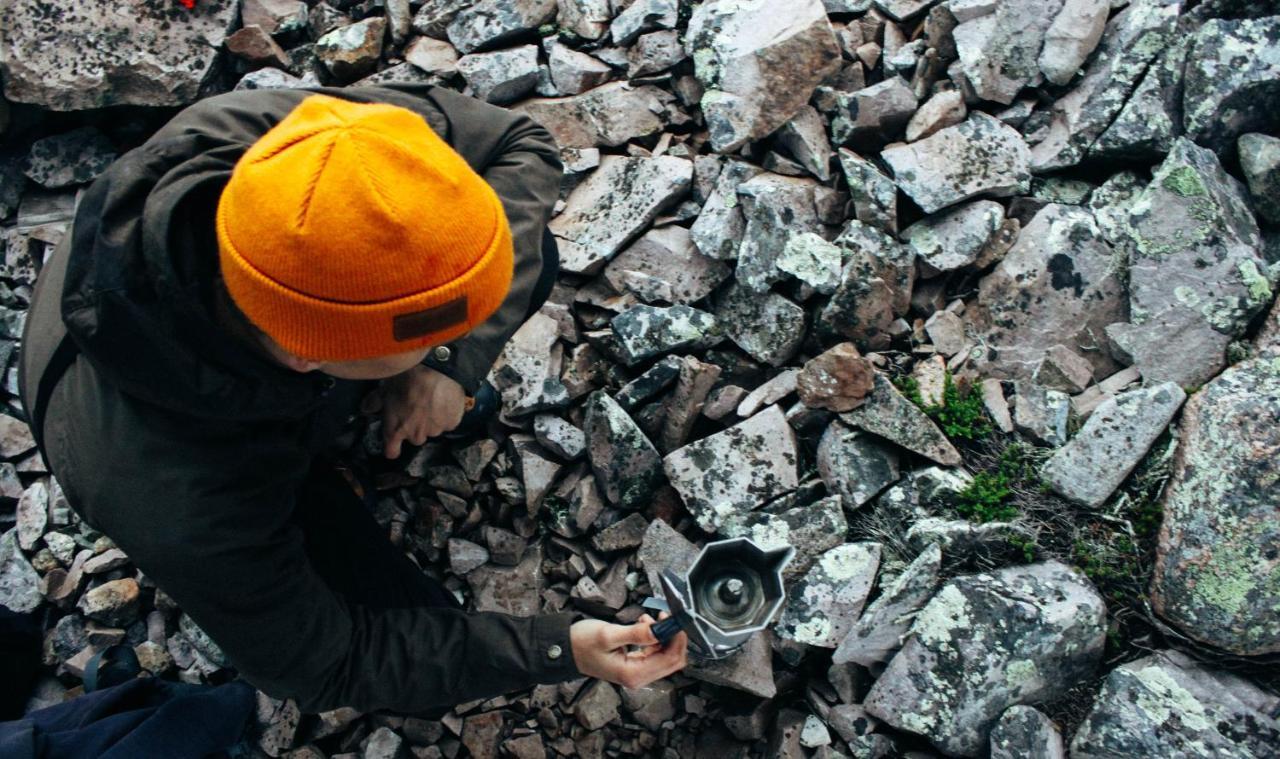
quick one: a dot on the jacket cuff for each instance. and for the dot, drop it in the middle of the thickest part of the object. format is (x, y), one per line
(552, 650)
(446, 362)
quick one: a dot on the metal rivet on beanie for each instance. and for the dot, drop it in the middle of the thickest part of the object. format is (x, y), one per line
(351, 230)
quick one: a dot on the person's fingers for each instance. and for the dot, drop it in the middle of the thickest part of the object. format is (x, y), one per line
(645, 618)
(394, 431)
(420, 432)
(638, 634)
(638, 672)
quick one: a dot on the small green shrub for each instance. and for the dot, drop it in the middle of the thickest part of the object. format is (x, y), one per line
(960, 415)
(986, 499)
(1026, 545)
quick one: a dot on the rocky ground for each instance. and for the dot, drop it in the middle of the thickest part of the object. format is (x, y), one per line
(969, 301)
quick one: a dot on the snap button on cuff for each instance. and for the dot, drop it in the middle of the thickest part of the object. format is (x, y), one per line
(441, 353)
(554, 652)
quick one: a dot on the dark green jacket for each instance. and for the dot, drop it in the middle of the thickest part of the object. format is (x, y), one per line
(187, 449)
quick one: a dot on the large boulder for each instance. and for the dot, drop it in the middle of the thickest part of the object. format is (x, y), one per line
(1260, 162)
(624, 461)
(77, 56)
(1119, 433)
(723, 476)
(1217, 574)
(1000, 51)
(609, 115)
(1168, 705)
(1132, 39)
(979, 156)
(1232, 81)
(614, 205)
(1197, 276)
(759, 61)
(1060, 284)
(987, 642)
(823, 606)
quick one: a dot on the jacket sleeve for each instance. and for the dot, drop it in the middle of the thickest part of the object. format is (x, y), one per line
(212, 526)
(520, 160)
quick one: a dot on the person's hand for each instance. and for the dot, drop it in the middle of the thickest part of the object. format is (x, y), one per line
(417, 404)
(602, 650)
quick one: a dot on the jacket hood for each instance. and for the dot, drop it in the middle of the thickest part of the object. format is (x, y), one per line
(142, 277)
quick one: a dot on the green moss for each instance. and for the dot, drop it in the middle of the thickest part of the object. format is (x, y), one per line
(909, 388)
(1184, 181)
(961, 415)
(1258, 286)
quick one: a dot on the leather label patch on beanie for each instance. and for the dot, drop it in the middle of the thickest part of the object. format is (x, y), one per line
(419, 323)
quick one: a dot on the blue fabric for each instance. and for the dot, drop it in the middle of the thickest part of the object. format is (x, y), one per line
(139, 719)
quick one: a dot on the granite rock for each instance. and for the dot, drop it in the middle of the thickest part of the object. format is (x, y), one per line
(1130, 42)
(1060, 284)
(1196, 272)
(854, 465)
(1217, 575)
(352, 51)
(837, 380)
(875, 287)
(150, 54)
(606, 116)
(1117, 435)
(1024, 732)
(987, 642)
(625, 463)
(1166, 704)
(488, 24)
(1232, 81)
(732, 472)
(759, 61)
(825, 603)
(644, 332)
(881, 628)
(999, 52)
(1260, 161)
(613, 205)
(890, 415)
(769, 328)
(19, 583)
(954, 239)
(71, 158)
(501, 76)
(874, 195)
(980, 156)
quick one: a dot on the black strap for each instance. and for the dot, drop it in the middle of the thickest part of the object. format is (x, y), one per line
(59, 362)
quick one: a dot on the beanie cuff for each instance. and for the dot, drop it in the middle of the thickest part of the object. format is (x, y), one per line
(318, 329)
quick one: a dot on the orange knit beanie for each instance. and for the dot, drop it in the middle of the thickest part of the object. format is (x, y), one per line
(351, 230)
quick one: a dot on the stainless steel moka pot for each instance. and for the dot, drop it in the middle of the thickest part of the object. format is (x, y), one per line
(731, 591)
